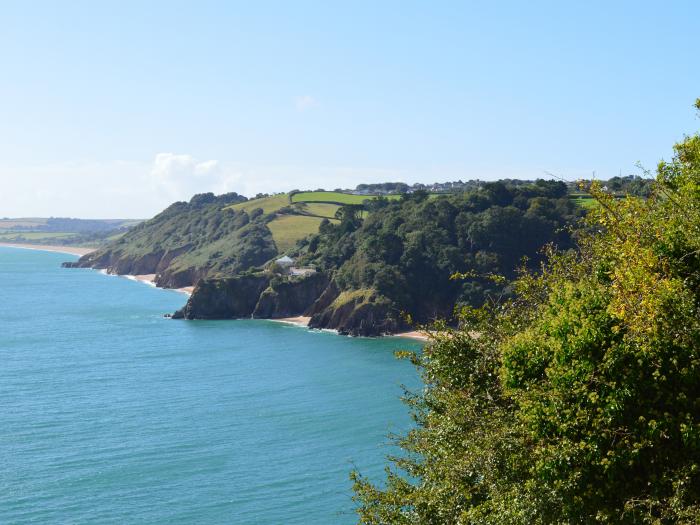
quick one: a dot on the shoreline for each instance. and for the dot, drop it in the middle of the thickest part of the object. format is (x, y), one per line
(149, 279)
(303, 322)
(56, 248)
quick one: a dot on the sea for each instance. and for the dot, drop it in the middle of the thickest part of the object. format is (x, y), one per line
(112, 413)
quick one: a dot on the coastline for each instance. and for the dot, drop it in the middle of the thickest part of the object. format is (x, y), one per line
(303, 322)
(300, 320)
(149, 279)
(80, 251)
(413, 334)
(70, 250)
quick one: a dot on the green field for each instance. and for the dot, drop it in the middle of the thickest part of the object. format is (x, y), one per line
(333, 197)
(585, 201)
(33, 236)
(267, 204)
(288, 229)
(320, 209)
(25, 222)
(308, 209)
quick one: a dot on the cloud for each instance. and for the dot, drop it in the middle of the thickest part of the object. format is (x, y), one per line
(305, 102)
(179, 176)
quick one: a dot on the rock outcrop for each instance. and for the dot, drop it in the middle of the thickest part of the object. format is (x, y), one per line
(259, 296)
(224, 298)
(358, 313)
(290, 298)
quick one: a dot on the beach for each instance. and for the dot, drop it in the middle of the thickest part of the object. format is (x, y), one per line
(71, 250)
(80, 251)
(150, 279)
(303, 321)
(297, 321)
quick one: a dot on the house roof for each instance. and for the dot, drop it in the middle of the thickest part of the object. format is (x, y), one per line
(285, 259)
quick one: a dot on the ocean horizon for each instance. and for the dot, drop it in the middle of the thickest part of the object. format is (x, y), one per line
(113, 413)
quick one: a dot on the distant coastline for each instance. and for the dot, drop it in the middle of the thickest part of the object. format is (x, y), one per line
(79, 252)
(71, 250)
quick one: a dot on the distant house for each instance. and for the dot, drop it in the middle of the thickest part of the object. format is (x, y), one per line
(301, 271)
(285, 261)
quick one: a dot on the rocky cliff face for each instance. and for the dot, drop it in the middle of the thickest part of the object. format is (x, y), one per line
(359, 313)
(156, 262)
(261, 296)
(290, 298)
(225, 298)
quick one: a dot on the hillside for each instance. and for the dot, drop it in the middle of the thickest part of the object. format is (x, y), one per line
(392, 257)
(63, 231)
(382, 258)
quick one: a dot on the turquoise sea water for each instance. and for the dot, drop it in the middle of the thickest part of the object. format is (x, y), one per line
(110, 413)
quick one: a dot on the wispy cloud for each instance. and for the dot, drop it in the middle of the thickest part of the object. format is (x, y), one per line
(305, 102)
(181, 175)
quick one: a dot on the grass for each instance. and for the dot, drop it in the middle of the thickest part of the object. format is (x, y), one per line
(33, 236)
(321, 209)
(309, 209)
(288, 229)
(585, 201)
(333, 197)
(363, 295)
(268, 204)
(10, 224)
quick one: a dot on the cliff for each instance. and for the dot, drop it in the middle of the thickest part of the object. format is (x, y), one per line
(359, 313)
(260, 296)
(224, 298)
(290, 298)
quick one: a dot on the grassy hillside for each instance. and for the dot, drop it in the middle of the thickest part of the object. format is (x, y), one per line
(334, 197)
(64, 231)
(269, 204)
(24, 222)
(34, 236)
(204, 237)
(292, 221)
(288, 229)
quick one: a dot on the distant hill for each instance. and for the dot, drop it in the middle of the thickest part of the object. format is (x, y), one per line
(64, 231)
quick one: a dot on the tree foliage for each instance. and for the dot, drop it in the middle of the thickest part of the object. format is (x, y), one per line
(579, 400)
(407, 249)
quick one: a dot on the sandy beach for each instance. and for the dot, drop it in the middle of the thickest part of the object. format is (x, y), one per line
(80, 251)
(413, 334)
(150, 279)
(304, 322)
(71, 250)
(298, 321)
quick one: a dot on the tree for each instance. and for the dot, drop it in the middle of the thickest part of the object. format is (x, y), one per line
(579, 400)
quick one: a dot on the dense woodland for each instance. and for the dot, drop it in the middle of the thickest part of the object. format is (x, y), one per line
(407, 250)
(578, 399)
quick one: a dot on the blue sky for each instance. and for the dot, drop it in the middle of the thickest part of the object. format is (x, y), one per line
(114, 109)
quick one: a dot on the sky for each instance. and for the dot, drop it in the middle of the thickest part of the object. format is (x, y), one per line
(116, 109)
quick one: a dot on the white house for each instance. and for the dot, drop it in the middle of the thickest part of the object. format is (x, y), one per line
(285, 261)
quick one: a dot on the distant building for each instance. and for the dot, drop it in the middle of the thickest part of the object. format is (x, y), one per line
(285, 261)
(297, 272)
